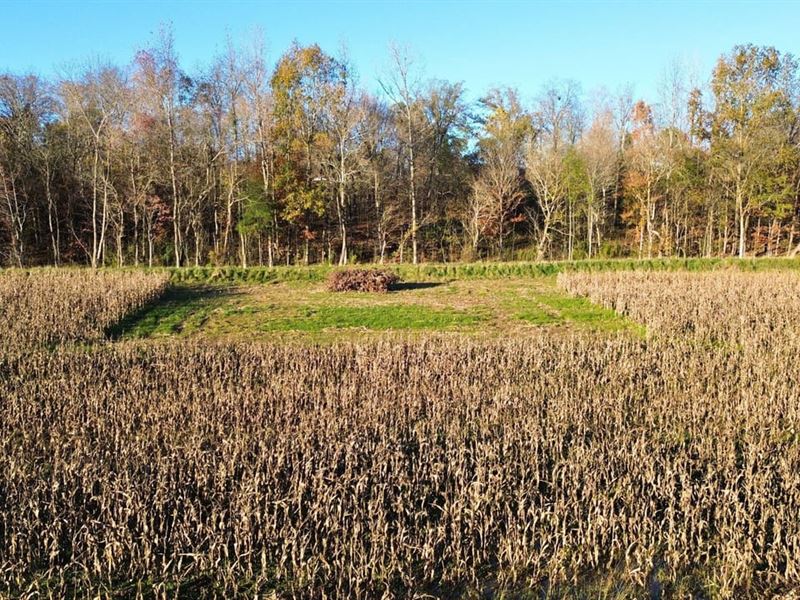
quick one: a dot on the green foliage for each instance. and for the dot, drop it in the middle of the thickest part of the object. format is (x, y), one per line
(751, 151)
(577, 181)
(257, 214)
(507, 124)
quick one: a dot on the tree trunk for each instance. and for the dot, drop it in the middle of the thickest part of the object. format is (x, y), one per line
(52, 217)
(176, 206)
(341, 204)
(135, 236)
(95, 249)
(149, 243)
(742, 235)
(412, 187)
(740, 216)
(380, 243)
(544, 238)
(569, 232)
(120, 233)
(197, 247)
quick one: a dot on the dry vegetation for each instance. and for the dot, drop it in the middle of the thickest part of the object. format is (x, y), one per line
(614, 465)
(725, 306)
(362, 280)
(46, 306)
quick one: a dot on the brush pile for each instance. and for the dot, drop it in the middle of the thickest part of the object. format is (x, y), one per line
(362, 280)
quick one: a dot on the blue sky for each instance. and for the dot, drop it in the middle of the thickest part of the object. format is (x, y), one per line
(523, 44)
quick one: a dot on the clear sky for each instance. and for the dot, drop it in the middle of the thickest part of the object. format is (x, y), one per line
(517, 43)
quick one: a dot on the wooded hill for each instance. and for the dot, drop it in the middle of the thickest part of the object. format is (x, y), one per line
(249, 162)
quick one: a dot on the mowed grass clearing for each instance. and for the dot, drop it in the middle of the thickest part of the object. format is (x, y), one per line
(306, 311)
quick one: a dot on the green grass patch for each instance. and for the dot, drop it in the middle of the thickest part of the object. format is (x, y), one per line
(309, 312)
(536, 315)
(378, 317)
(216, 311)
(546, 304)
(582, 312)
(181, 309)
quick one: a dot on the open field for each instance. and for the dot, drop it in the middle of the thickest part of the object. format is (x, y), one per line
(306, 311)
(488, 436)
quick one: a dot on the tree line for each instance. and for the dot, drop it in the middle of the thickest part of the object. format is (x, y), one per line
(247, 162)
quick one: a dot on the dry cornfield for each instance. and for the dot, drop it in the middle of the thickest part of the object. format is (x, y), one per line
(536, 467)
(724, 306)
(46, 306)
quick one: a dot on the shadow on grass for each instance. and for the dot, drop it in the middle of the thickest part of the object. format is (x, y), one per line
(181, 309)
(410, 286)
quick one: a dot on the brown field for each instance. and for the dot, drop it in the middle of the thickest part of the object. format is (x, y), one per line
(575, 465)
(52, 305)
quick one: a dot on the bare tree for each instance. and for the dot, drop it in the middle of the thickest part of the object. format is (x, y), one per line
(648, 160)
(343, 111)
(498, 189)
(598, 151)
(376, 139)
(99, 99)
(401, 85)
(159, 78)
(558, 120)
(23, 104)
(259, 99)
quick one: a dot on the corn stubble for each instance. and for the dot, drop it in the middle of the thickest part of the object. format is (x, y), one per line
(442, 467)
(749, 309)
(47, 306)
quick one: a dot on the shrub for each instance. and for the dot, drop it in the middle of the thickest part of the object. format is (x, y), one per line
(362, 280)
